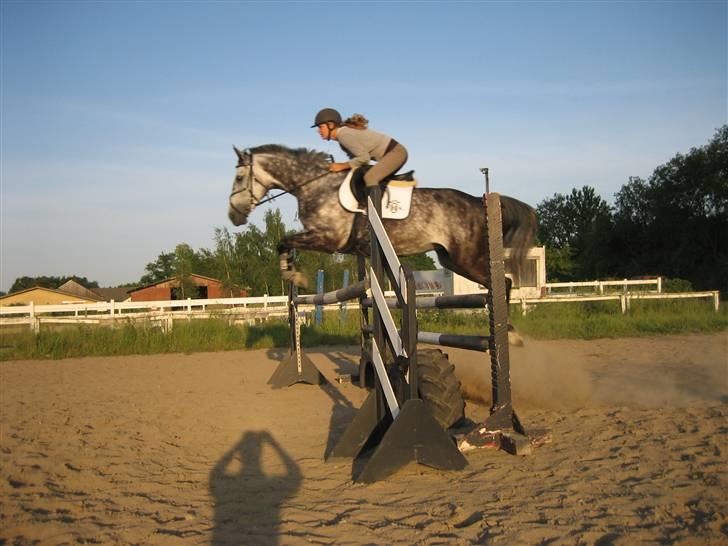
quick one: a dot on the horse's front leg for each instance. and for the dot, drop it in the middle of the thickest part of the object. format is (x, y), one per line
(306, 240)
(288, 269)
(286, 259)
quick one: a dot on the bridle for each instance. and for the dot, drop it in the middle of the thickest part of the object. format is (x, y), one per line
(245, 159)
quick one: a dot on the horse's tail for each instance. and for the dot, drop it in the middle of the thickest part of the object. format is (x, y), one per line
(519, 232)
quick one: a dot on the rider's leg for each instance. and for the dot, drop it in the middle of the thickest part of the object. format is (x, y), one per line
(390, 163)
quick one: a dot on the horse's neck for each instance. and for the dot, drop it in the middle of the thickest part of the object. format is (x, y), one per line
(272, 181)
(301, 182)
(323, 187)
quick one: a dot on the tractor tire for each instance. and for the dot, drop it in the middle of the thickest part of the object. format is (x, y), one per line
(439, 388)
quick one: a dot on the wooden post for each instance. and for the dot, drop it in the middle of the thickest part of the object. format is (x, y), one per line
(34, 323)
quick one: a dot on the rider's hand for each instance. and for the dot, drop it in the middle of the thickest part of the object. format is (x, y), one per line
(337, 167)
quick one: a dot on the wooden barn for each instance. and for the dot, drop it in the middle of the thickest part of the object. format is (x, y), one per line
(170, 289)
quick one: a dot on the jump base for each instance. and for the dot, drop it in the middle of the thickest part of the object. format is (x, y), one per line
(287, 373)
(359, 431)
(414, 436)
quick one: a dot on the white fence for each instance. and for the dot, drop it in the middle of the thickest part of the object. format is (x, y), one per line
(624, 299)
(257, 309)
(249, 310)
(599, 286)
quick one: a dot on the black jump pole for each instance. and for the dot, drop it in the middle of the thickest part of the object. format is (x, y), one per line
(502, 415)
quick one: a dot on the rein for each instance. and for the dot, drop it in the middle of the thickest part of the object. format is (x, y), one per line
(284, 192)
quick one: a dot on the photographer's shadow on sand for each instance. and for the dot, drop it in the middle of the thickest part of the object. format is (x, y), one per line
(247, 499)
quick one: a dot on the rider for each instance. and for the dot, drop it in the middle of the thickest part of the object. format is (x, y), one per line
(361, 145)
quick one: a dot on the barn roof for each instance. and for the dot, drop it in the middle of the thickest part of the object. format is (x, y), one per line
(116, 294)
(93, 296)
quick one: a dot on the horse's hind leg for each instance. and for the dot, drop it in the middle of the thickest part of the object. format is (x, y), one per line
(474, 270)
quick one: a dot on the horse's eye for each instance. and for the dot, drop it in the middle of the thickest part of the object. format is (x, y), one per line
(238, 178)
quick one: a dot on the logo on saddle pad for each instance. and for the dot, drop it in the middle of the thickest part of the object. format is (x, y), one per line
(396, 198)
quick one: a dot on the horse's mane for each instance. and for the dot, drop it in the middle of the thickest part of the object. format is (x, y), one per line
(303, 154)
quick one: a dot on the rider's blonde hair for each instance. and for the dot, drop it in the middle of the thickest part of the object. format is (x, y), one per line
(356, 121)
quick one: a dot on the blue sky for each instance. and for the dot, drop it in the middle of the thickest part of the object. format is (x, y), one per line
(117, 118)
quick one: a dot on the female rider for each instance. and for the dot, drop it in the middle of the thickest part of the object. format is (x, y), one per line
(361, 145)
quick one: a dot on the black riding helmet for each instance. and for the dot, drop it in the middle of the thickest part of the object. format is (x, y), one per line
(327, 115)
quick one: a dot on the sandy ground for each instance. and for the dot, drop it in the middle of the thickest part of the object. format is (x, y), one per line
(197, 449)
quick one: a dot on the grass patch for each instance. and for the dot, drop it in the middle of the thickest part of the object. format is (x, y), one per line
(587, 320)
(185, 337)
(591, 320)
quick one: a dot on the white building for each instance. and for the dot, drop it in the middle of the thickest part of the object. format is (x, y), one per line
(444, 281)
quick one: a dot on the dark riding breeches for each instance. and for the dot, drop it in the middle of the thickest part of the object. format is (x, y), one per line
(390, 163)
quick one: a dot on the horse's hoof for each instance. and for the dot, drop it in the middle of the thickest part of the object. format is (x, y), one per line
(515, 339)
(298, 278)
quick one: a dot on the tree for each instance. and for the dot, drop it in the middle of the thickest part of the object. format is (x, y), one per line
(675, 223)
(22, 283)
(574, 229)
(419, 262)
(158, 270)
(222, 260)
(184, 267)
(248, 259)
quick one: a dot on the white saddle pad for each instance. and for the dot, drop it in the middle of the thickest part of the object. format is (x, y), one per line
(396, 200)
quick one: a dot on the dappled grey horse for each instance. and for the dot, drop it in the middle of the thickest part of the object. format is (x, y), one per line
(450, 222)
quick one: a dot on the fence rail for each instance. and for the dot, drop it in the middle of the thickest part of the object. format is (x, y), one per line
(624, 299)
(251, 309)
(116, 308)
(164, 313)
(599, 286)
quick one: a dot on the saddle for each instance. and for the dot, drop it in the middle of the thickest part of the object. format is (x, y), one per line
(396, 193)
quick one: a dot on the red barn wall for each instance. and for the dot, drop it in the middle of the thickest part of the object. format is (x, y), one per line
(163, 291)
(152, 293)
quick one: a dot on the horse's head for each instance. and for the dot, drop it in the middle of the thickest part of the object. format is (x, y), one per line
(242, 197)
(271, 166)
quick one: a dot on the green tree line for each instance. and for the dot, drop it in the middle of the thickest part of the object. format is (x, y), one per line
(673, 224)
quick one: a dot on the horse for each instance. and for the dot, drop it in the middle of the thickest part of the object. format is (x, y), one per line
(447, 221)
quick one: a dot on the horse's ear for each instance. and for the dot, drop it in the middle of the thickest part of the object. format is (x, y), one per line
(240, 154)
